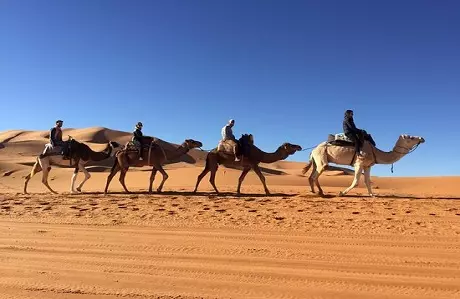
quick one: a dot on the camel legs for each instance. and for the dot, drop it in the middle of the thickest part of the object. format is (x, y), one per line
(35, 169)
(314, 178)
(261, 177)
(46, 171)
(152, 178)
(115, 168)
(165, 177)
(87, 176)
(242, 176)
(358, 171)
(367, 180)
(212, 179)
(72, 181)
(200, 177)
(311, 178)
(122, 178)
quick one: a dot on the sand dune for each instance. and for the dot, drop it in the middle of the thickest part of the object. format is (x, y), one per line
(292, 244)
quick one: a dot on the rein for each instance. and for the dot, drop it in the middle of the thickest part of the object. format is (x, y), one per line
(409, 150)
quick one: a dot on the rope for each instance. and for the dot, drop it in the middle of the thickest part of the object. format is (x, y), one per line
(409, 150)
(308, 148)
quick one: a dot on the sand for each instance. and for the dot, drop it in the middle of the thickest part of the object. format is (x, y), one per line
(292, 244)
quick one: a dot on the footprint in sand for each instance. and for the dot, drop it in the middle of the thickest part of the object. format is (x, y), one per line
(221, 211)
(355, 213)
(279, 218)
(252, 211)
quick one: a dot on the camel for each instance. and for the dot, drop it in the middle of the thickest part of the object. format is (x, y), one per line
(80, 153)
(251, 160)
(155, 155)
(326, 153)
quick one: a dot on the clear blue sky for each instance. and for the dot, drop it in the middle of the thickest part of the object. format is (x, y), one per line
(284, 70)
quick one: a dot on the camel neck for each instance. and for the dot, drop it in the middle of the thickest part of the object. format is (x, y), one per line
(99, 156)
(391, 157)
(270, 157)
(172, 155)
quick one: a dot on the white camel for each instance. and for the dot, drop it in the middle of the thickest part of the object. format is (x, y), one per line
(326, 153)
(80, 153)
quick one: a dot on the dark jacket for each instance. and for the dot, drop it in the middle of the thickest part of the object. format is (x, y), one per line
(56, 136)
(137, 135)
(349, 126)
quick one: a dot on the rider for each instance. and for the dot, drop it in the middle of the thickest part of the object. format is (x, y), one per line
(56, 139)
(352, 132)
(137, 137)
(227, 135)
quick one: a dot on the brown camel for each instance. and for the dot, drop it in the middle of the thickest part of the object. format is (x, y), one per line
(250, 161)
(80, 153)
(326, 153)
(154, 155)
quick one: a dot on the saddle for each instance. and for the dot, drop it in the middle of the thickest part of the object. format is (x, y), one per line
(135, 146)
(242, 145)
(51, 150)
(341, 139)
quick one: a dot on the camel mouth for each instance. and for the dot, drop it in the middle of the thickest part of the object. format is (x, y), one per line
(422, 140)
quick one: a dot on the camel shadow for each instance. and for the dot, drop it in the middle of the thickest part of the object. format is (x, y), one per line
(188, 193)
(400, 197)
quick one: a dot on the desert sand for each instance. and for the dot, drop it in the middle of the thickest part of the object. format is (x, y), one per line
(403, 244)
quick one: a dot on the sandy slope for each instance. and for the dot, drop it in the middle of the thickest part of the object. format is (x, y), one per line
(404, 244)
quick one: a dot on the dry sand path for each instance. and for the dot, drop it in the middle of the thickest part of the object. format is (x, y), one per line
(182, 246)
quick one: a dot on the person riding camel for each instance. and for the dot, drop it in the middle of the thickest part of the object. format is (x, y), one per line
(227, 136)
(352, 132)
(56, 139)
(137, 138)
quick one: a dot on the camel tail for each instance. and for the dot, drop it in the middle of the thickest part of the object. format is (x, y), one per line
(308, 166)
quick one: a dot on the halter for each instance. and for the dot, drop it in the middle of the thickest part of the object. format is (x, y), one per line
(409, 150)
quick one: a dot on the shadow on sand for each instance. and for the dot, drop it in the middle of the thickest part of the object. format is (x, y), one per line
(188, 193)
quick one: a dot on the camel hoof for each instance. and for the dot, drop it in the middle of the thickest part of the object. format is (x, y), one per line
(158, 190)
(79, 189)
(321, 194)
(340, 194)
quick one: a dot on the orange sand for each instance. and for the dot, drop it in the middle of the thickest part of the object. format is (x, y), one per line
(403, 244)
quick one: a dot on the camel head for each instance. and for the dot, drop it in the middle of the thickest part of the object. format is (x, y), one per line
(289, 148)
(115, 147)
(409, 142)
(190, 143)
